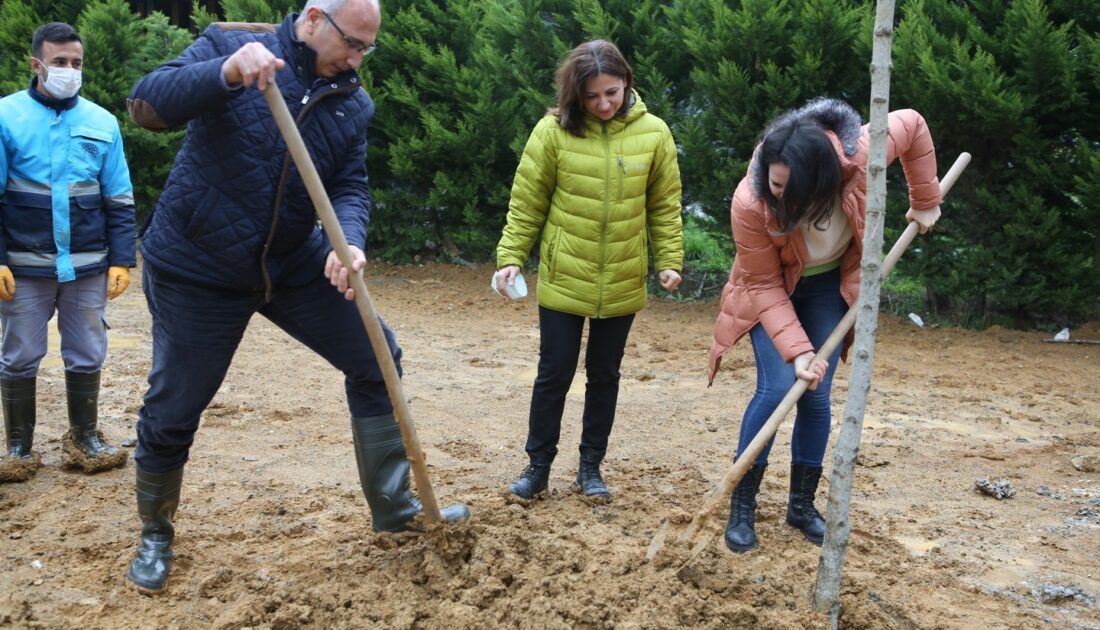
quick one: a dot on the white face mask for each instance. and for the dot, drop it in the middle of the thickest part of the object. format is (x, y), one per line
(61, 83)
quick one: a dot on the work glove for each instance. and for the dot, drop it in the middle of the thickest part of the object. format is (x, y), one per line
(118, 278)
(7, 283)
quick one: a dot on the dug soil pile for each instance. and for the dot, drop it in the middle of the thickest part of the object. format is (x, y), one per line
(273, 531)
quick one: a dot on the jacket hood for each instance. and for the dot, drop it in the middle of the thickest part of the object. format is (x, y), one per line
(830, 114)
(833, 115)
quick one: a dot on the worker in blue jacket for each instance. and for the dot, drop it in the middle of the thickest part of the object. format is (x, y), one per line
(234, 233)
(67, 242)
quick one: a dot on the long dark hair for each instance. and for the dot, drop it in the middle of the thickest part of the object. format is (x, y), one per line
(581, 64)
(797, 139)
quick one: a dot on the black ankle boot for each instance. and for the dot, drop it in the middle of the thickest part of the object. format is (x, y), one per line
(158, 496)
(82, 392)
(17, 397)
(534, 480)
(741, 529)
(589, 479)
(801, 513)
(384, 475)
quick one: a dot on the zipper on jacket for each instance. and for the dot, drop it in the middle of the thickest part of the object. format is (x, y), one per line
(606, 212)
(282, 182)
(622, 177)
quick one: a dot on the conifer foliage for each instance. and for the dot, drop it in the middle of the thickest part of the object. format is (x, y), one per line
(459, 84)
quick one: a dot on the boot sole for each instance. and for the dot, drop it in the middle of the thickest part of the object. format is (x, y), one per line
(817, 542)
(512, 497)
(598, 499)
(740, 549)
(147, 590)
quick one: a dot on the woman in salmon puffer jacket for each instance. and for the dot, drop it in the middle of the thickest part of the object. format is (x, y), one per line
(797, 219)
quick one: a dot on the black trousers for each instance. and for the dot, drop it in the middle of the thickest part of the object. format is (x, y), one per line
(559, 348)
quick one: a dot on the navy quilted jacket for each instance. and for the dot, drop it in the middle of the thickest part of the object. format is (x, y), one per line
(234, 212)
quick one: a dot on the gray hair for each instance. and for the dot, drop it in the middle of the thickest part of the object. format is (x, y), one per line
(332, 7)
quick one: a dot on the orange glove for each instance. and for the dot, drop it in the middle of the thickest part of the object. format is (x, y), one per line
(7, 283)
(118, 278)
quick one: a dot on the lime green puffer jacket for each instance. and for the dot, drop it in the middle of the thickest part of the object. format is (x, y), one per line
(598, 201)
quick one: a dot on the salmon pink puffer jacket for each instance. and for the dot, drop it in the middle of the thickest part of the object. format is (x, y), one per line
(768, 265)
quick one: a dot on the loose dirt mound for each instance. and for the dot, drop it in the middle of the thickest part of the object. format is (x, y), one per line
(273, 531)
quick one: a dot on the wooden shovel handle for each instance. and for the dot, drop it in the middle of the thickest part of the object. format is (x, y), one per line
(744, 462)
(378, 343)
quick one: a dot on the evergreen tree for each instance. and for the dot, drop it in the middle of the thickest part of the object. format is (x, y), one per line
(459, 84)
(752, 60)
(258, 11)
(113, 40)
(200, 17)
(1006, 84)
(428, 145)
(17, 23)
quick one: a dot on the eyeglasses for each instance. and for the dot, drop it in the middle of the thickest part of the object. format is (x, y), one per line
(354, 44)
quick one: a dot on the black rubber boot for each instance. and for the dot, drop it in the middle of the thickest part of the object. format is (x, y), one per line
(589, 480)
(384, 474)
(18, 400)
(82, 391)
(534, 480)
(741, 529)
(158, 496)
(801, 513)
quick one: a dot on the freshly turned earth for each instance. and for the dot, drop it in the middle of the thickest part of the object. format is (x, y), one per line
(273, 531)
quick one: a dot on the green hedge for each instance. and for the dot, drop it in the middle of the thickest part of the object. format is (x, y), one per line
(460, 83)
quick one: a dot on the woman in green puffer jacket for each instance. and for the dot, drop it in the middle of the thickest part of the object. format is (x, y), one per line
(599, 179)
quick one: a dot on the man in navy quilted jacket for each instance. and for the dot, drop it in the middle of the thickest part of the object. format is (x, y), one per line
(235, 233)
(66, 245)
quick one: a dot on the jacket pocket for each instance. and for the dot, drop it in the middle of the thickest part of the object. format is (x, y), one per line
(552, 254)
(27, 220)
(87, 223)
(87, 152)
(201, 212)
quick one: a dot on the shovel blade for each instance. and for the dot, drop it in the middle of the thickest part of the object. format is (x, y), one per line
(679, 540)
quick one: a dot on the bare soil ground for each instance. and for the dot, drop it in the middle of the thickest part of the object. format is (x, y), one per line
(273, 531)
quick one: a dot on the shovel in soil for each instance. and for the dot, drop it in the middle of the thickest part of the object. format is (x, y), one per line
(335, 234)
(694, 535)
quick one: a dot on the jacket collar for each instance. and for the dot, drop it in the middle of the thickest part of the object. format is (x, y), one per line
(302, 58)
(59, 104)
(635, 111)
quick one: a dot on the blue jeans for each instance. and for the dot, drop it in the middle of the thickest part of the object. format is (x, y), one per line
(196, 330)
(80, 307)
(820, 307)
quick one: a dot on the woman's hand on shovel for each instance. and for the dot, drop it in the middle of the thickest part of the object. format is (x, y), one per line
(924, 219)
(807, 372)
(338, 274)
